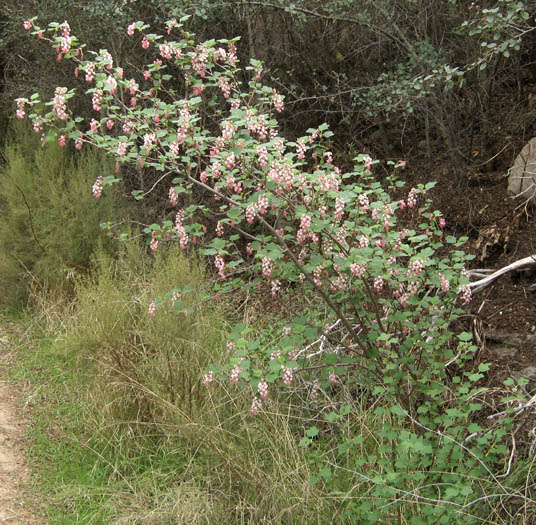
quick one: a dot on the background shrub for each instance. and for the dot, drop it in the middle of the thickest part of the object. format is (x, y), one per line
(44, 236)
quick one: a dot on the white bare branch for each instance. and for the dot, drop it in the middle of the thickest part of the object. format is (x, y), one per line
(479, 285)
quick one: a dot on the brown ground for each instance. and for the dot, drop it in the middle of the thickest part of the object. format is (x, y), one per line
(14, 472)
(501, 231)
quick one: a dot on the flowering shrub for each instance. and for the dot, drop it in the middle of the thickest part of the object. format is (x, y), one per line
(388, 279)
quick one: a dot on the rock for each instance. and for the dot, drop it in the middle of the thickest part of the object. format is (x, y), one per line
(529, 373)
(531, 340)
(502, 351)
(507, 338)
(522, 175)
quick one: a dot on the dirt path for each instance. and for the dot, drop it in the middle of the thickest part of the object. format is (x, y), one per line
(14, 473)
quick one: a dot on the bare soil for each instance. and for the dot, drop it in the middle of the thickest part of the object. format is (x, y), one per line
(14, 471)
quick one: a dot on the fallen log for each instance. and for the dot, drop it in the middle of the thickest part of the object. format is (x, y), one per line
(485, 280)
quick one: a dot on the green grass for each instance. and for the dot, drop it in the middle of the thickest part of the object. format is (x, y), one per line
(71, 473)
(123, 431)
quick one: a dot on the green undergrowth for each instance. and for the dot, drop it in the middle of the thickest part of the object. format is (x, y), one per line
(45, 240)
(125, 432)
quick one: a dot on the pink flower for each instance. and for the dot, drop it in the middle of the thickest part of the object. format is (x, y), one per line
(97, 187)
(339, 208)
(154, 243)
(109, 60)
(27, 24)
(220, 265)
(96, 99)
(173, 196)
(267, 267)
(145, 43)
(94, 125)
(256, 404)
(110, 123)
(233, 377)
(465, 290)
(288, 375)
(378, 284)
(278, 101)
(412, 198)
(263, 389)
(111, 84)
(78, 143)
(20, 107)
(121, 149)
(62, 141)
(208, 378)
(445, 284)
(152, 308)
(131, 28)
(416, 266)
(90, 72)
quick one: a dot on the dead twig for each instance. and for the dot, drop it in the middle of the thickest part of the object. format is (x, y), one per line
(479, 285)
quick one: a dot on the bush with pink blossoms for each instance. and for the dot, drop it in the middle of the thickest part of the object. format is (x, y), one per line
(291, 223)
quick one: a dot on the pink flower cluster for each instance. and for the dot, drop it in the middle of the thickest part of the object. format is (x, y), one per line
(20, 107)
(278, 101)
(465, 290)
(90, 71)
(219, 263)
(181, 232)
(225, 86)
(412, 198)
(445, 284)
(97, 187)
(199, 61)
(111, 84)
(300, 149)
(262, 154)
(339, 208)
(358, 270)
(97, 99)
(152, 308)
(251, 212)
(121, 149)
(173, 196)
(267, 267)
(148, 140)
(256, 405)
(60, 109)
(288, 375)
(154, 242)
(233, 376)
(263, 389)
(416, 266)
(208, 378)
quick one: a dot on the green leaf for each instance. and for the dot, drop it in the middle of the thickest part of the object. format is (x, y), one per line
(312, 432)
(465, 336)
